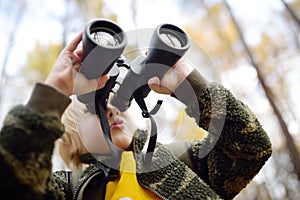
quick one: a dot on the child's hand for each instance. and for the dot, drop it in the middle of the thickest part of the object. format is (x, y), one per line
(65, 76)
(172, 78)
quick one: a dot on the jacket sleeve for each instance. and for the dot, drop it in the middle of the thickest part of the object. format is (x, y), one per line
(236, 146)
(26, 144)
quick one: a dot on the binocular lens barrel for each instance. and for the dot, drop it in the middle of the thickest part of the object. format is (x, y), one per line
(168, 44)
(173, 36)
(103, 43)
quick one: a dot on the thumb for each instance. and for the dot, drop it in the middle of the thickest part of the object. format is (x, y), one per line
(155, 85)
(102, 81)
(154, 81)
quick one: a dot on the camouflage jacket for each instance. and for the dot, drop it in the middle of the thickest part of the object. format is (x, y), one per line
(217, 167)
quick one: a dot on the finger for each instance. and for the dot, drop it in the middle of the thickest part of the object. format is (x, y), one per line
(102, 81)
(183, 67)
(83, 85)
(74, 43)
(79, 52)
(154, 81)
(77, 67)
(155, 85)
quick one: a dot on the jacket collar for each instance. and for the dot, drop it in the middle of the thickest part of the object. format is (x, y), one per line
(138, 143)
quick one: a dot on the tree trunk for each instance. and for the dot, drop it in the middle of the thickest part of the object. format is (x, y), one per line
(290, 142)
(292, 13)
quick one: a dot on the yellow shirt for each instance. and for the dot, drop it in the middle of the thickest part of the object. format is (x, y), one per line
(127, 186)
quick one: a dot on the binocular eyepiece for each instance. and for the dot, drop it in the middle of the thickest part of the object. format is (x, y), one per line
(103, 44)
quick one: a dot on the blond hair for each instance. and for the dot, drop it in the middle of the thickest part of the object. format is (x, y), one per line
(71, 137)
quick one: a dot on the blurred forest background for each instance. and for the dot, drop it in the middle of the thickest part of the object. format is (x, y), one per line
(254, 45)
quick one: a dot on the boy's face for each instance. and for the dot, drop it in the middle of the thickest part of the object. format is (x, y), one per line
(122, 129)
(122, 126)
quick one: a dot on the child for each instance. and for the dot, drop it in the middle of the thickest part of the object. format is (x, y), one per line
(30, 131)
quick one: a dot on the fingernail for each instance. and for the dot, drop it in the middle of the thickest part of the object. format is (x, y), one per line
(153, 80)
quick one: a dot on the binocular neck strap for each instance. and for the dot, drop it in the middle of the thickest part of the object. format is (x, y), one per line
(115, 154)
(153, 135)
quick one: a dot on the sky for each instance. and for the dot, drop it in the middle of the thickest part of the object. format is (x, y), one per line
(37, 24)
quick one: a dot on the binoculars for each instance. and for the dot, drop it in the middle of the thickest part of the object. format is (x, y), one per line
(103, 45)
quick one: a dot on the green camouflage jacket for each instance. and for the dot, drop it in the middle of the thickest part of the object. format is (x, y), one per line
(240, 149)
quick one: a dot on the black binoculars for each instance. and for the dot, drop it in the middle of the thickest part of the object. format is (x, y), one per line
(103, 44)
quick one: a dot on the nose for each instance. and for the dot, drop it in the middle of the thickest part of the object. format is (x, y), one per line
(111, 111)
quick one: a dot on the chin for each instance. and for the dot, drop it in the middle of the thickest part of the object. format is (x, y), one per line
(122, 142)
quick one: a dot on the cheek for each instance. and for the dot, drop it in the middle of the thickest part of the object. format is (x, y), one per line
(91, 135)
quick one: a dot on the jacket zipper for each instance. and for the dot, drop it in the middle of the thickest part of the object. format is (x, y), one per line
(78, 187)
